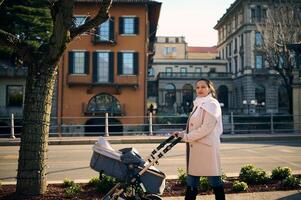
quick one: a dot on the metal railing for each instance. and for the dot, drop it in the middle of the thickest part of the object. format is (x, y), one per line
(154, 125)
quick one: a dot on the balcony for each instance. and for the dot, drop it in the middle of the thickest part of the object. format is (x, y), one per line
(193, 75)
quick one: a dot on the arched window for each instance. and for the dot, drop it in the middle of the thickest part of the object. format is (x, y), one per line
(103, 103)
(222, 95)
(187, 92)
(282, 97)
(170, 94)
(260, 94)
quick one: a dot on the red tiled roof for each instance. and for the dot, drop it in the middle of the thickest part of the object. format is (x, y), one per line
(202, 49)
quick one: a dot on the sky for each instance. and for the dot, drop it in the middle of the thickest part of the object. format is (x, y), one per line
(193, 19)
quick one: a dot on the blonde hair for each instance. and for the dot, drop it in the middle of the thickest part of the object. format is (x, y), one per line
(210, 85)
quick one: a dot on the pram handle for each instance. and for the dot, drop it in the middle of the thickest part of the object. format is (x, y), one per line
(160, 146)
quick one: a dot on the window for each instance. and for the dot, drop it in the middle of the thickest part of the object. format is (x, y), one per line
(128, 25)
(198, 70)
(103, 103)
(258, 39)
(168, 71)
(183, 71)
(80, 20)
(14, 96)
(103, 67)
(212, 70)
(168, 51)
(105, 31)
(242, 60)
(258, 62)
(78, 62)
(128, 63)
(242, 40)
(151, 72)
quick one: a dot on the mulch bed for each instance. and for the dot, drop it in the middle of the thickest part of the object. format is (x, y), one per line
(172, 188)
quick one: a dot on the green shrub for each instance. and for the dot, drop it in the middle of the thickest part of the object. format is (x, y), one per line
(106, 184)
(239, 186)
(182, 176)
(252, 175)
(204, 184)
(94, 181)
(68, 183)
(291, 182)
(73, 190)
(281, 173)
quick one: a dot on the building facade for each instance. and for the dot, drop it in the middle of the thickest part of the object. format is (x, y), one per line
(175, 70)
(257, 88)
(105, 71)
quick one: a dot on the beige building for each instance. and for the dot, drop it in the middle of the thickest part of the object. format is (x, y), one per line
(172, 77)
(170, 48)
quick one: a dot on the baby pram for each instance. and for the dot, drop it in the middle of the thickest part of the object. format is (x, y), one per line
(127, 166)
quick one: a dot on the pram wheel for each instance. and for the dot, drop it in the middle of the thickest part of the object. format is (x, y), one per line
(151, 197)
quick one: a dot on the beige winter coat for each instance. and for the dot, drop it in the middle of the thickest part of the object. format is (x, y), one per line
(203, 149)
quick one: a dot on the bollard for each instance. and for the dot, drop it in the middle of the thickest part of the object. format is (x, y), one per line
(150, 123)
(106, 124)
(232, 123)
(272, 123)
(12, 128)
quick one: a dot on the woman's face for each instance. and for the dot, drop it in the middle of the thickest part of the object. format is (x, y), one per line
(202, 89)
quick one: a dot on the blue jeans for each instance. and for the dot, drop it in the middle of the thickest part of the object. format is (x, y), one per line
(194, 181)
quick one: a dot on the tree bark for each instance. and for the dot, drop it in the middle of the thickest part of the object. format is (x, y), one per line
(32, 166)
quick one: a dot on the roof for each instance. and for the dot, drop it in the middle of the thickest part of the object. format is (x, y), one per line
(228, 11)
(202, 49)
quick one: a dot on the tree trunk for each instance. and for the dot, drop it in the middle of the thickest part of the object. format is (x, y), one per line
(32, 167)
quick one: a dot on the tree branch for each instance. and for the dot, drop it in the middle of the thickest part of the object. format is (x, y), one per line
(8, 39)
(102, 16)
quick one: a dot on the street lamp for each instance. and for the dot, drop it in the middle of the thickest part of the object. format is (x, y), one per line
(248, 103)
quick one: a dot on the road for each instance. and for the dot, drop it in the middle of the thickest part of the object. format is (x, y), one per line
(72, 161)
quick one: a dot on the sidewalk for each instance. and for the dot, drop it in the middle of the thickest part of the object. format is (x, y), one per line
(74, 140)
(280, 195)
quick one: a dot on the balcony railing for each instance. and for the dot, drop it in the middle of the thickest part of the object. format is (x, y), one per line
(193, 75)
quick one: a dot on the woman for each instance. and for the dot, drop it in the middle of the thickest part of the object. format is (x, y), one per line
(202, 135)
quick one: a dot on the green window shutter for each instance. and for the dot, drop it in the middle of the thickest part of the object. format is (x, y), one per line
(111, 67)
(71, 62)
(120, 62)
(94, 66)
(136, 25)
(136, 63)
(112, 29)
(87, 62)
(121, 25)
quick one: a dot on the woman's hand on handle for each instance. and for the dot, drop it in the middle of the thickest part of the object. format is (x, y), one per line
(178, 134)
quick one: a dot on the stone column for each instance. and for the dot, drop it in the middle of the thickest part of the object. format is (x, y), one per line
(297, 102)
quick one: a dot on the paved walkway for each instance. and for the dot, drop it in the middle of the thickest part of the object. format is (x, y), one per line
(280, 195)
